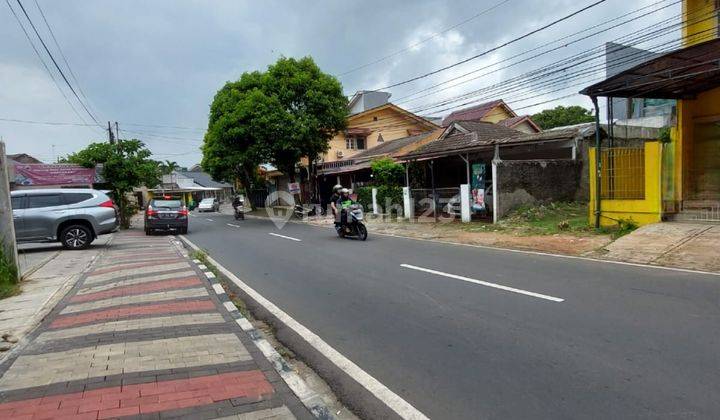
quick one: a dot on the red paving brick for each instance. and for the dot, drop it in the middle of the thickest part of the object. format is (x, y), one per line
(66, 321)
(138, 289)
(136, 265)
(131, 399)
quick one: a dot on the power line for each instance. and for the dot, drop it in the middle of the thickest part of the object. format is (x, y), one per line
(47, 50)
(400, 100)
(62, 55)
(538, 74)
(433, 36)
(45, 66)
(553, 23)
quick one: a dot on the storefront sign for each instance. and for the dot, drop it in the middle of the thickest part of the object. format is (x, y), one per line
(41, 174)
(477, 203)
(294, 187)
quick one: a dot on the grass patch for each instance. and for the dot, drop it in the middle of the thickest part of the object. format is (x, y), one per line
(623, 227)
(8, 276)
(549, 219)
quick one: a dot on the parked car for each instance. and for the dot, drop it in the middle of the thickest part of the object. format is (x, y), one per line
(73, 217)
(168, 214)
(209, 204)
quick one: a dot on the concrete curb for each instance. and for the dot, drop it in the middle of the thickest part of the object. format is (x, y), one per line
(312, 401)
(356, 389)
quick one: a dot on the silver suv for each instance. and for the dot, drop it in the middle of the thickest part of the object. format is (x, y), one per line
(74, 217)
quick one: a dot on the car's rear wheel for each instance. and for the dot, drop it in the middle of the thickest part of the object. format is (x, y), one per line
(183, 230)
(76, 237)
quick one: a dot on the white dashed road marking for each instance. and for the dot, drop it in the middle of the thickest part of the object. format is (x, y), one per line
(484, 283)
(285, 237)
(230, 224)
(210, 220)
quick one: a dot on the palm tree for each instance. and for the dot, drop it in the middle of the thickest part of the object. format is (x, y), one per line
(168, 166)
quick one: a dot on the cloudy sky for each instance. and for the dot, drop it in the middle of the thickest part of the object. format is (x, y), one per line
(155, 66)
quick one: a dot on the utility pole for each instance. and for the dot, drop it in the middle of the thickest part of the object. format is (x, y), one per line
(117, 131)
(111, 136)
(7, 226)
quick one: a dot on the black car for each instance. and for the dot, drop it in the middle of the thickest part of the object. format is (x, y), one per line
(166, 214)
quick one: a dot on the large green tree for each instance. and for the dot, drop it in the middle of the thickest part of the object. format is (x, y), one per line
(125, 165)
(290, 111)
(561, 116)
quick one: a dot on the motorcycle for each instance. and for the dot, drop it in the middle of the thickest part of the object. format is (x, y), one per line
(302, 212)
(240, 211)
(354, 227)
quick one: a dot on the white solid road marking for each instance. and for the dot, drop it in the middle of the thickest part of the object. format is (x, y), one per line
(484, 283)
(286, 237)
(210, 220)
(230, 224)
(388, 397)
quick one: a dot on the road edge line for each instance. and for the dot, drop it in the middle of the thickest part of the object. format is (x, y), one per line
(343, 375)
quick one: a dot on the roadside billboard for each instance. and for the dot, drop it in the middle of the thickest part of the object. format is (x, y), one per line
(49, 174)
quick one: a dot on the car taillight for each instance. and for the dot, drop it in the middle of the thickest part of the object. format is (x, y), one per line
(183, 211)
(109, 204)
(150, 211)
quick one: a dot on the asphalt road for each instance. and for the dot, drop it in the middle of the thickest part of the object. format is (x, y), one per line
(572, 338)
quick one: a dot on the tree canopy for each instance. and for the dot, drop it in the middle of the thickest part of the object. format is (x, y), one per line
(386, 171)
(125, 165)
(561, 116)
(290, 111)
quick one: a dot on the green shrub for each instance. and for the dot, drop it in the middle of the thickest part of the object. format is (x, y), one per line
(385, 192)
(387, 172)
(364, 197)
(8, 276)
(625, 226)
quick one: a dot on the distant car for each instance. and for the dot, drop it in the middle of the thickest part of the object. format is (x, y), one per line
(167, 214)
(209, 204)
(73, 217)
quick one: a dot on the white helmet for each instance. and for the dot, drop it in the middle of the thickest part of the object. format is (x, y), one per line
(344, 191)
(337, 188)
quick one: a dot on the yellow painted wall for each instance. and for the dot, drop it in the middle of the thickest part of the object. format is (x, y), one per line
(497, 114)
(644, 211)
(390, 123)
(525, 127)
(696, 11)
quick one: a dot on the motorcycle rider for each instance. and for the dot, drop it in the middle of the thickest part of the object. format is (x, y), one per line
(343, 204)
(333, 199)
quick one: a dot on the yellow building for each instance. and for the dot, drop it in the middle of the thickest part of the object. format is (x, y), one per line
(375, 126)
(676, 177)
(496, 112)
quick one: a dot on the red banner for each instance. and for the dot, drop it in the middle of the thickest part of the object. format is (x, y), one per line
(41, 174)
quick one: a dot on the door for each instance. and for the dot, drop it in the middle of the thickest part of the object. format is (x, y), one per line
(705, 163)
(18, 209)
(41, 214)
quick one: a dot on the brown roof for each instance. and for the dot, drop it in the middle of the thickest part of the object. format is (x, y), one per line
(23, 158)
(515, 121)
(476, 112)
(680, 74)
(493, 135)
(389, 146)
(419, 119)
(479, 134)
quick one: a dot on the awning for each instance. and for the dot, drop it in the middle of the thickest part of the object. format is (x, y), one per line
(344, 169)
(681, 74)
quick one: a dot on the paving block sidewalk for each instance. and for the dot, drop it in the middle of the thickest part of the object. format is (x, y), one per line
(143, 334)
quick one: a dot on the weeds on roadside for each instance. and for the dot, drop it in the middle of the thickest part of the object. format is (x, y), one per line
(8, 276)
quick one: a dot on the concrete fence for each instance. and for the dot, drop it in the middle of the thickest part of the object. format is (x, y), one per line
(7, 227)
